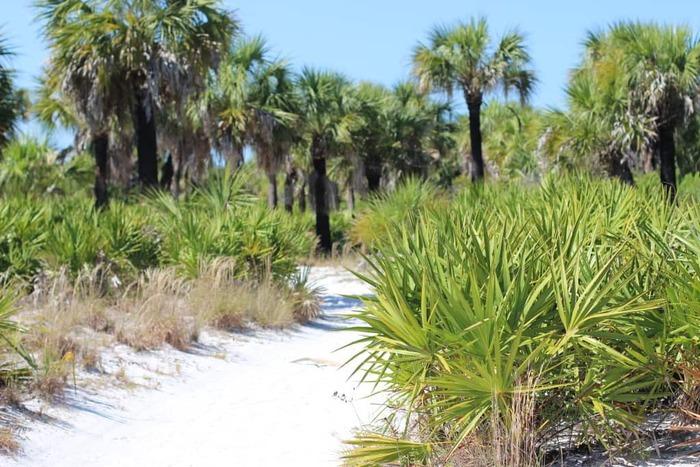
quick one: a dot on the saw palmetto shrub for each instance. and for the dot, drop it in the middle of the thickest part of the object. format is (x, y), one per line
(581, 295)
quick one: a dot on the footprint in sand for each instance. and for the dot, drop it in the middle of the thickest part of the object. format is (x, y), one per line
(317, 362)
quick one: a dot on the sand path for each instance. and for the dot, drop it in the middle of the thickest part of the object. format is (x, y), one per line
(262, 399)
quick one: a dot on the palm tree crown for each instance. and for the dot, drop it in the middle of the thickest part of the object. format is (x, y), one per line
(465, 57)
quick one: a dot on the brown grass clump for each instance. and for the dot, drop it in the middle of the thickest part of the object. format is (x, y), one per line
(10, 395)
(156, 313)
(511, 443)
(268, 305)
(64, 320)
(221, 299)
(8, 441)
(232, 306)
(50, 380)
(69, 321)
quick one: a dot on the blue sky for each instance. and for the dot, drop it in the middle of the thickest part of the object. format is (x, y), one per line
(372, 39)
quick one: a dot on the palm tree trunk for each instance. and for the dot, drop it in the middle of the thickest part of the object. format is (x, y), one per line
(323, 226)
(667, 160)
(178, 163)
(167, 173)
(648, 159)
(373, 172)
(302, 196)
(620, 169)
(289, 182)
(350, 196)
(146, 144)
(626, 173)
(100, 149)
(272, 190)
(477, 168)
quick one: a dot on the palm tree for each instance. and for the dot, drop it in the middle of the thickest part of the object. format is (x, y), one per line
(372, 139)
(663, 65)
(465, 57)
(273, 124)
(252, 103)
(137, 54)
(82, 67)
(12, 100)
(603, 120)
(417, 125)
(326, 106)
(227, 102)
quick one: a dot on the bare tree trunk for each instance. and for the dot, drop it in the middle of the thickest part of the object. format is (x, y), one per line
(323, 226)
(183, 158)
(474, 106)
(167, 172)
(373, 173)
(146, 143)
(350, 195)
(179, 161)
(302, 197)
(272, 190)
(667, 160)
(201, 152)
(121, 164)
(289, 182)
(359, 180)
(648, 159)
(100, 149)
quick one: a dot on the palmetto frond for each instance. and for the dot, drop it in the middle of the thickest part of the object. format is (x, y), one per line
(11, 99)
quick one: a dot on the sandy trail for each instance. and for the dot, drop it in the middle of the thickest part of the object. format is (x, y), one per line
(269, 399)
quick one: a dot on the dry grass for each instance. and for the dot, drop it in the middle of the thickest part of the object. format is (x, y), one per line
(346, 258)
(235, 305)
(65, 322)
(155, 313)
(8, 441)
(221, 300)
(10, 396)
(69, 322)
(510, 440)
(305, 297)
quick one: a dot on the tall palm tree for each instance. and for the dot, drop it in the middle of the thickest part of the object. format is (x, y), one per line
(663, 65)
(227, 104)
(83, 65)
(465, 57)
(134, 53)
(603, 120)
(326, 106)
(272, 127)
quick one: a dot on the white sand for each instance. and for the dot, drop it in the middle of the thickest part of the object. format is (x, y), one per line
(265, 399)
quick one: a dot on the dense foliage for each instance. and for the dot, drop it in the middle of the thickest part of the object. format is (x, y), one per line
(220, 219)
(581, 293)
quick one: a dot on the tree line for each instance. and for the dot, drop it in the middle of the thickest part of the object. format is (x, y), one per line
(159, 91)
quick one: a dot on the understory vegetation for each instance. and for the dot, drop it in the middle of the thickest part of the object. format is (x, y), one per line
(145, 272)
(512, 322)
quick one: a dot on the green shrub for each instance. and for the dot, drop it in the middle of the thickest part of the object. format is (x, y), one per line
(23, 231)
(29, 166)
(386, 211)
(565, 286)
